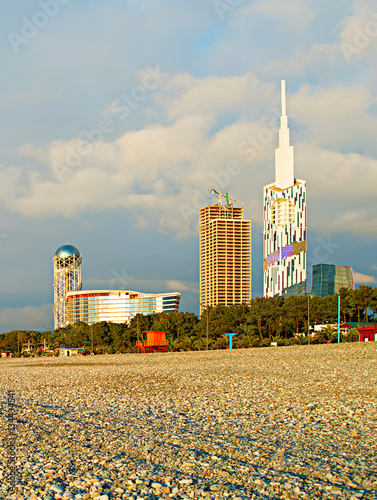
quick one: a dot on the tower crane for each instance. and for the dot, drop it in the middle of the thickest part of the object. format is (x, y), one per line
(226, 196)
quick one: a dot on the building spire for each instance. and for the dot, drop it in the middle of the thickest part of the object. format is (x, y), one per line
(284, 155)
(283, 99)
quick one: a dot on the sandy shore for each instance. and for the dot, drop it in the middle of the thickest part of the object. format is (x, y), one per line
(287, 422)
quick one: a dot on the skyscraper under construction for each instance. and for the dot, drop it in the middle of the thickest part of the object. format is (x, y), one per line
(225, 255)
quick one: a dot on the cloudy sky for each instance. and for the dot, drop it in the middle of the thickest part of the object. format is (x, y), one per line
(117, 117)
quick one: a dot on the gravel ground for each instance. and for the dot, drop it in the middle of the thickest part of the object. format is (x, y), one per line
(286, 422)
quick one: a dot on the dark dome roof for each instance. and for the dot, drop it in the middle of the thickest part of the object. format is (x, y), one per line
(66, 251)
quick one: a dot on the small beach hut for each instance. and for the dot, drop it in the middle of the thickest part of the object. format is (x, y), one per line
(68, 351)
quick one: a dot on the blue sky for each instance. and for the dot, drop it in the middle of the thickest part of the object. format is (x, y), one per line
(117, 116)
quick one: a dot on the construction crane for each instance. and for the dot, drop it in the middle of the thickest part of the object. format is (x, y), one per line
(226, 196)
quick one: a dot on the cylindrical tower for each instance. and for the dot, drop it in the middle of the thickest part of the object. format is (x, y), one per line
(67, 278)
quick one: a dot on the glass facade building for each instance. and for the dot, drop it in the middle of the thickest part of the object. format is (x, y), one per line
(328, 279)
(117, 306)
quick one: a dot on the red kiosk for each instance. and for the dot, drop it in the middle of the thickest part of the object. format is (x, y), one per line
(156, 342)
(368, 333)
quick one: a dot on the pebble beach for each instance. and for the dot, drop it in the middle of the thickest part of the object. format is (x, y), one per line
(284, 422)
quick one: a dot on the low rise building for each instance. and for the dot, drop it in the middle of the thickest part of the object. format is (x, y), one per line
(117, 306)
(367, 331)
(68, 351)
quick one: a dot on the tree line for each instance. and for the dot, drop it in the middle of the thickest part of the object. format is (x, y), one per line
(257, 324)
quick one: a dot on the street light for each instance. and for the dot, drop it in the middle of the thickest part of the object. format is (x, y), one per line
(339, 319)
(308, 319)
(308, 295)
(201, 304)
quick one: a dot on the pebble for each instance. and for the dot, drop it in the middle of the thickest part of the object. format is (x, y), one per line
(56, 489)
(292, 422)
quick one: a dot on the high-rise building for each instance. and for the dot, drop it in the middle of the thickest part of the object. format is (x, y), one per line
(67, 278)
(285, 221)
(117, 306)
(225, 255)
(328, 279)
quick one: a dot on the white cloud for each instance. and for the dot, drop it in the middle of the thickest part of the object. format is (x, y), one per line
(358, 39)
(139, 285)
(176, 286)
(363, 278)
(338, 117)
(26, 318)
(163, 174)
(292, 15)
(317, 59)
(155, 171)
(186, 95)
(342, 200)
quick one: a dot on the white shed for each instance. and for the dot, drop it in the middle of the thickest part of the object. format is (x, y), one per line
(68, 351)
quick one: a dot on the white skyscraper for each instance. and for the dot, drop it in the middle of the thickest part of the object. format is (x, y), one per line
(285, 221)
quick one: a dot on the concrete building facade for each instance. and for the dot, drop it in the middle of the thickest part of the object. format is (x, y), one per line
(225, 256)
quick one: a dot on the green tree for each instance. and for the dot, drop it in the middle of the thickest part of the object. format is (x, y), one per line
(296, 311)
(347, 305)
(364, 298)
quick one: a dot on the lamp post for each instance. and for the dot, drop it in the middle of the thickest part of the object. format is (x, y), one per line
(308, 295)
(339, 319)
(308, 319)
(91, 330)
(207, 328)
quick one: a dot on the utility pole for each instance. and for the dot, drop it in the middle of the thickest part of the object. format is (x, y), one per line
(308, 320)
(207, 321)
(91, 330)
(207, 328)
(339, 319)
(308, 295)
